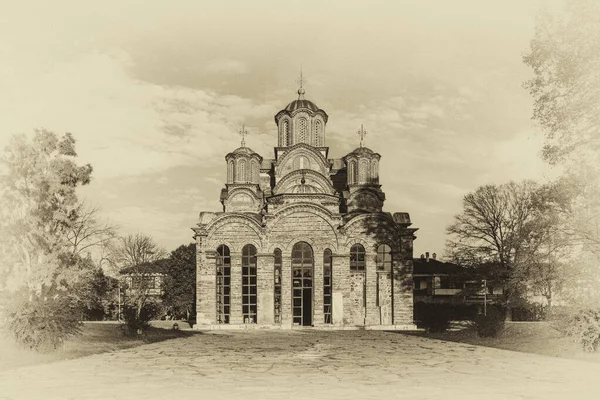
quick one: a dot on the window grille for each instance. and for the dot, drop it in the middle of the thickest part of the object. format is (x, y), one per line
(357, 258)
(223, 262)
(249, 284)
(327, 286)
(277, 285)
(384, 258)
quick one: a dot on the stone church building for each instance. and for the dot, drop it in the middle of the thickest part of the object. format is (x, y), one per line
(302, 239)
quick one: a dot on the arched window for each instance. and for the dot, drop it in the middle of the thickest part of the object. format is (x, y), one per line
(327, 286)
(277, 262)
(284, 133)
(352, 172)
(302, 277)
(318, 133)
(241, 176)
(289, 140)
(384, 258)
(374, 170)
(230, 176)
(249, 284)
(254, 172)
(223, 265)
(357, 258)
(363, 171)
(302, 130)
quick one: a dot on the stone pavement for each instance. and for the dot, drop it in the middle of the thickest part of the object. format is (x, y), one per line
(306, 365)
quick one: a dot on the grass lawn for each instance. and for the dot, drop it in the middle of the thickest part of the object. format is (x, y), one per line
(96, 337)
(525, 337)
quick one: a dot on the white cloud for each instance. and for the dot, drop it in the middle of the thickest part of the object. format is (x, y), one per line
(124, 126)
(226, 67)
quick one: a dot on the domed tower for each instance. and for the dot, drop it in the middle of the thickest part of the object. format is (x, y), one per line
(242, 192)
(301, 121)
(364, 191)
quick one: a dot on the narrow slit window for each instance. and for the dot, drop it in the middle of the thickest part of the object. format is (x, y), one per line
(277, 285)
(223, 265)
(327, 287)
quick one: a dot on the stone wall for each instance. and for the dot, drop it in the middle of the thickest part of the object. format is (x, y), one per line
(370, 298)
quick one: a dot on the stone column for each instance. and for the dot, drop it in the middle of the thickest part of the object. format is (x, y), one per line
(372, 310)
(236, 289)
(265, 288)
(286, 290)
(341, 288)
(206, 281)
(318, 290)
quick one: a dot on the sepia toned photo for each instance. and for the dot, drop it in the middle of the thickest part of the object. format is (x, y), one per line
(300, 200)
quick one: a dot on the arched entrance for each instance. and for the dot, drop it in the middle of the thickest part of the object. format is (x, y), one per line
(302, 283)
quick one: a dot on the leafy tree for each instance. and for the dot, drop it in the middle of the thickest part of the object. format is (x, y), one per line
(565, 60)
(179, 284)
(96, 294)
(39, 206)
(565, 86)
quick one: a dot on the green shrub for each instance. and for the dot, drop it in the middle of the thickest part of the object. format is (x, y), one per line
(583, 326)
(134, 323)
(42, 323)
(529, 312)
(433, 317)
(491, 324)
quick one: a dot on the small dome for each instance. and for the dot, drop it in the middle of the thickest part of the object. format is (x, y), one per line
(244, 150)
(301, 103)
(364, 151)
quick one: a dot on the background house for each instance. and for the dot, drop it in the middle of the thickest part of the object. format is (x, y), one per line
(439, 282)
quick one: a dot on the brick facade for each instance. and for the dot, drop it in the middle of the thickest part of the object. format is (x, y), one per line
(299, 198)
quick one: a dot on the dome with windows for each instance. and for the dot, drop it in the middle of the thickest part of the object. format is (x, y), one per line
(301, 121)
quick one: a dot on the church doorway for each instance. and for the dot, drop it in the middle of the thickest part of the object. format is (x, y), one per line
(302, 284)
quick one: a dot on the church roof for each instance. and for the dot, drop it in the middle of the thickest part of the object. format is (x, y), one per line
(363, 151)
(301, 103)
(244, 150)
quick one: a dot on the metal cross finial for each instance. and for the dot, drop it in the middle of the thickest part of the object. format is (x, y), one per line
(243, 133)
(301, 81)
(362, 133)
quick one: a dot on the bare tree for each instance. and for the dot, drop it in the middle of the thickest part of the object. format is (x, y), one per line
(88, 233)
(512, 228)
(140, 257)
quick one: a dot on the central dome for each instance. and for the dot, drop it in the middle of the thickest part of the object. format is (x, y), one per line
(301, 103)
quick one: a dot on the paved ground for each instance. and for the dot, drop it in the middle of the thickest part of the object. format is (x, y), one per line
(306, 365)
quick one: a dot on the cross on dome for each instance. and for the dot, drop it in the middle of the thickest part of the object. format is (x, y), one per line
(243, 133)
(301, 81)
(361, 133)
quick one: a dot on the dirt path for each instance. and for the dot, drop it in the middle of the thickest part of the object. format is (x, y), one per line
(306, 365)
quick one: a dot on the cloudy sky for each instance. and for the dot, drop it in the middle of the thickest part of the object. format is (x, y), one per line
(155, 92)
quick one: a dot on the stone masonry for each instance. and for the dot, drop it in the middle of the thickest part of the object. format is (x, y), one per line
(307, 213)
